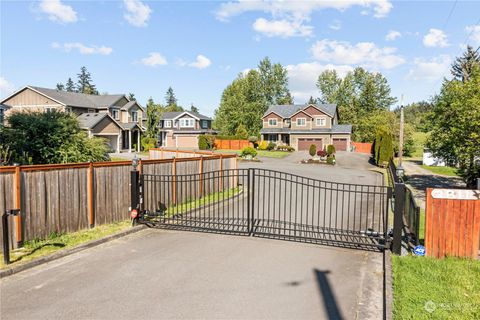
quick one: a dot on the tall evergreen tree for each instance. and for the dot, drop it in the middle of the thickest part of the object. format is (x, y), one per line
(193, 108)
(170, 98)
(85, 83)
(60, 86)
(70, 86)
(463, 66)
(131, 96)
(154, 113)
(274, 83)
(312, 100)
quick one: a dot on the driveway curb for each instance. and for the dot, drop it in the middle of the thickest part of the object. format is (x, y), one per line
(60, 254)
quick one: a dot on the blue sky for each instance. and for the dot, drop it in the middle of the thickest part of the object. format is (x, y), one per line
(199, 47)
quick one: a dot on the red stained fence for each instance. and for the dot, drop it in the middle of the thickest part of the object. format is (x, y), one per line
(452, 223)
(362, 147)
(232, 144)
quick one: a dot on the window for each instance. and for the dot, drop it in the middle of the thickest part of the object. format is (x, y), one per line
(50, 109)
(115, 114)
(134, 116)
(301, 122)
(168, 123)
(187, 123)
(320, 121)
(1, 116)
(68, 110)
(272, 122)
(204, 124)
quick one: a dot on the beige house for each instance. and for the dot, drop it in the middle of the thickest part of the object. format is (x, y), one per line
(300, 126)
(113, 117)
(182, 129)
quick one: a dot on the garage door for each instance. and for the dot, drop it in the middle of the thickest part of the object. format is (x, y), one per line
(187, 142)
(340, 144)
(305, 143)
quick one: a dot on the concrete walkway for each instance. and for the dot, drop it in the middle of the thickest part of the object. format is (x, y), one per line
(158, 274)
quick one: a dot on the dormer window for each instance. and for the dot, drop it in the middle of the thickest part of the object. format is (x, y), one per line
(187, 123)
(301, 122)
(115, 114)
(321, 122)
(168, 123)
(272, 122)
(134, 116)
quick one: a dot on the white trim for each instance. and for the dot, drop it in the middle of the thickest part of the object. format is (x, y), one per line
(301, 110)
(322, 111)
(275, 113)
(185, 112)
(301, 125)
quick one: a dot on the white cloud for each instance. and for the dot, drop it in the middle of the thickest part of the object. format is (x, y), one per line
(282, 28)
(303, 78)
(82, 49)
(137, 13)
(474, 32)
(201, 62)
(154, 59)
(335, 25)
(431, 70)
(298, 8)
(6, 87)
(435, 38)
(58, 12)
(392, 35)
(365, 54)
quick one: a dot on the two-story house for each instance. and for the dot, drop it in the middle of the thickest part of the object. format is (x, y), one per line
(300, 126)
(182, 129)
(113, 117)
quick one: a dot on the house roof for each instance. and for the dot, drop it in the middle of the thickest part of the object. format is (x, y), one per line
(76, 99)
(336, 128)
(90, 120)
(173, 115)
(287, 110)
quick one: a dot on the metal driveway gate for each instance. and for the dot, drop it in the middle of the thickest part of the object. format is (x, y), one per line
(267, 203)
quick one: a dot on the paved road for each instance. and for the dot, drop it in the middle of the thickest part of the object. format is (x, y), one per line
(159, 274)
(182, 275)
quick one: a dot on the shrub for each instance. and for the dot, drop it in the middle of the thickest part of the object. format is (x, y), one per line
(148, 143)
(202, 142)
(331, 159)
(253, 140)
(383, 147)
(286, 148)
(312, 150)
(263, 145)
(330, 149)
(322, 153)
(241, 132)
(248, 151)
(271, 146)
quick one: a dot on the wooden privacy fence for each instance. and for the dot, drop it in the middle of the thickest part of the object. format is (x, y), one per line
(161, 153)
(362, 147)
(231, 144)
(452, 223)
(70, 197)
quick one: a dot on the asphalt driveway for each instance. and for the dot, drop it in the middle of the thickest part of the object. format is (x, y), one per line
(159, 274)
(183, 275)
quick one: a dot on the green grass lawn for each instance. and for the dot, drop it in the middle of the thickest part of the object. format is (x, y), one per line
(449, 288)
(419, 140)
(260, 153)
(38, 248)
(446, 171)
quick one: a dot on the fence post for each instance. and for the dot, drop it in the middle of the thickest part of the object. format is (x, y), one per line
(6, 242)
(90, 186)
(174, 181)
(221, 172)
(398, 218)
(200, 187)
(18, 204)
(134, 190)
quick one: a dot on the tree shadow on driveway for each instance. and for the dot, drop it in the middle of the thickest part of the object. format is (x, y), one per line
(421, 182)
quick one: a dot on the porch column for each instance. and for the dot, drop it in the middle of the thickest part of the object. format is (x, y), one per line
(118, 142)
(129, 141)
(138, 141)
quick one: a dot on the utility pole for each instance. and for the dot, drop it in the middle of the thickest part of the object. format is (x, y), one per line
(400, 144)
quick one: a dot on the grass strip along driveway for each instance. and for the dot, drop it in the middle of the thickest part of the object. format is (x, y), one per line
(38, 248)
(428, 288)
(261, 153)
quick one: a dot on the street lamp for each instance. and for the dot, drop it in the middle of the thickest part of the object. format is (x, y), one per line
(400, 171)
(135, 162)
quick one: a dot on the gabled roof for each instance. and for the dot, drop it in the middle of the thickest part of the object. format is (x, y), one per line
(90, 120)
(174, 115)
(288, 110)
(130, 104)
(74, 99)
